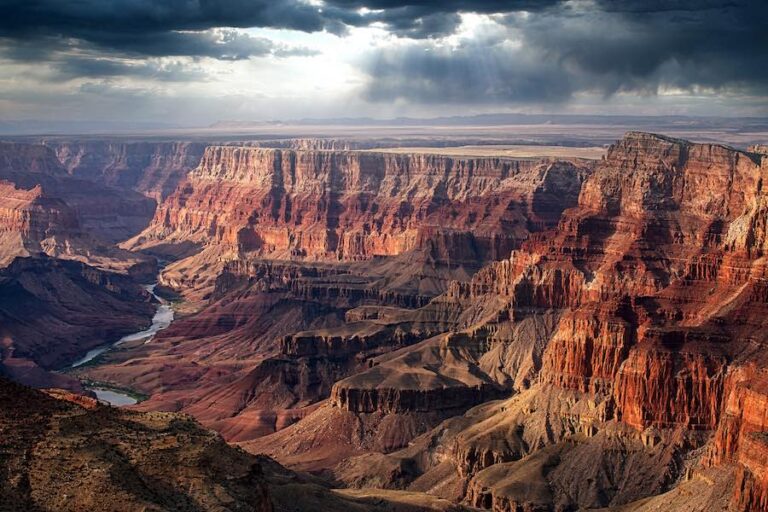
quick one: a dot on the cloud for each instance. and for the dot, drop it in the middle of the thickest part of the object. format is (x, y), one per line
(77, 67)
(107, 31)
(430, 19)
(142, 57)
(98, 20)
(645, 46)
(218, 43)
(495, 74)
(520, 52)
(600, 47)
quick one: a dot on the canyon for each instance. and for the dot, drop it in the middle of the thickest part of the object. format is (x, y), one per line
(387, 330)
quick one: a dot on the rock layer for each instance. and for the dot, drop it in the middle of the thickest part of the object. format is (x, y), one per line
(152, 168)
(45, 210)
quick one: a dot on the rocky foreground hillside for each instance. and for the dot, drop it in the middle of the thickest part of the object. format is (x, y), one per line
(65, 452)
(506, 334)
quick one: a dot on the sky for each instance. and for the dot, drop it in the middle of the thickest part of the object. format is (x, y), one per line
(196, 62)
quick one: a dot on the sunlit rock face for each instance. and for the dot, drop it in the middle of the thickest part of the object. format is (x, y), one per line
(630, 336)
(332, 205)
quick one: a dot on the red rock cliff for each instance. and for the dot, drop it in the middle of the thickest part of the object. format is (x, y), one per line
(657, 280)
(46, 210)
(152, 168)
(355, 205)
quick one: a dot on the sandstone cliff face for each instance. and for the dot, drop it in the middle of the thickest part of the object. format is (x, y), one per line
(588, 349)
(45, 210)
(741, 435)
(431, 214)
(666, 388)
(656, 282)
(102, 211)
(152, 168)
(27, 212)
(30, 215)
(334, 205)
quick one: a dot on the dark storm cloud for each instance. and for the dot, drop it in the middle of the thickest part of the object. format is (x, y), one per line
(219, 44)
(94, 20)
(43, 29)
(222, 44)
(76, 67)
(602, 47)
(561, 48)
(487, 74)
(153, 26)
(429, 19)
(640, 46)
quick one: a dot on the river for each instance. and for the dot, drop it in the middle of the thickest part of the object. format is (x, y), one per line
(114, 397)
(162, 319)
